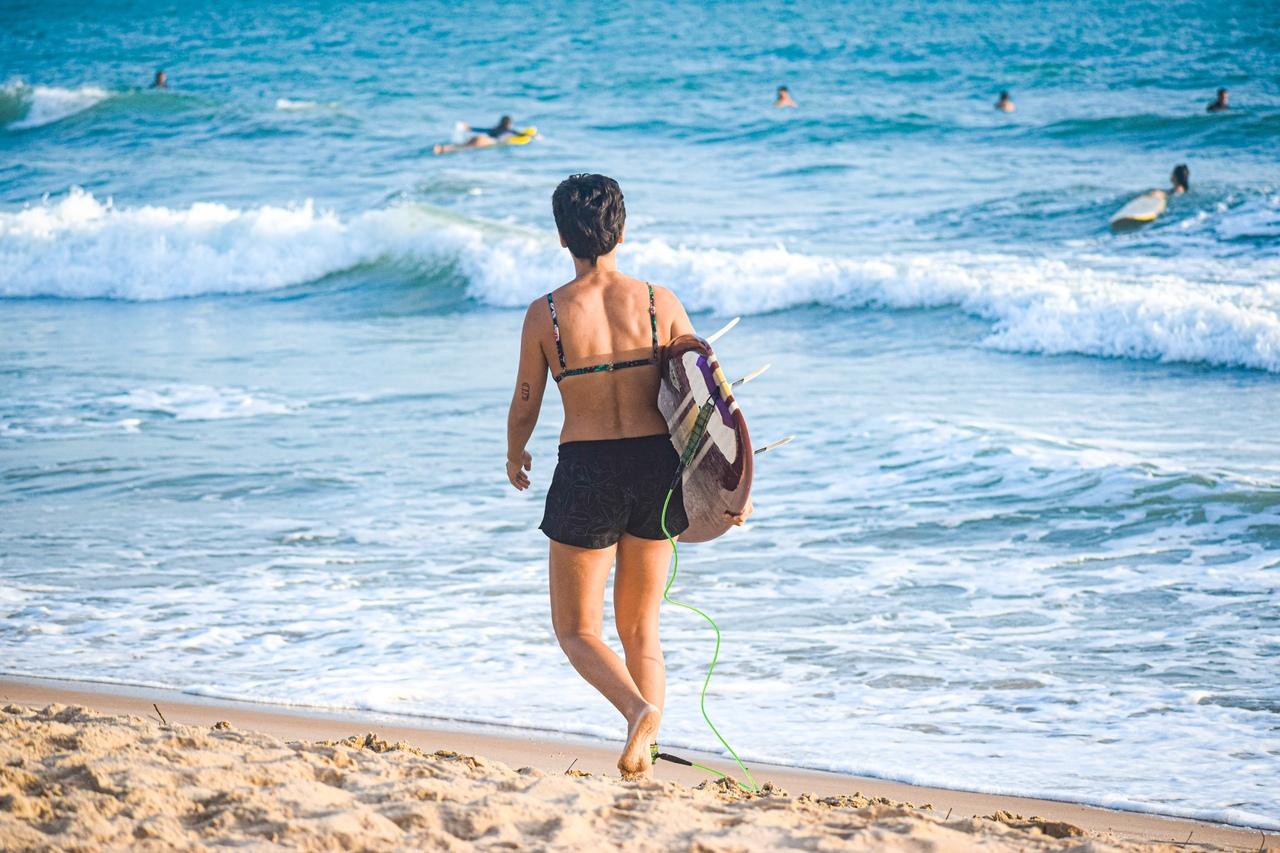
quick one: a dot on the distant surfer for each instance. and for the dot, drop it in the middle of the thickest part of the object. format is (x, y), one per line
(784, 98)
(1004, 103)
(1219, 103)
(599, 336)
(1147, 207)
(483, 137)
(160, 82)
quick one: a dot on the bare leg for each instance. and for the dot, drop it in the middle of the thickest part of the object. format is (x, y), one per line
(481, 141)
(577, 603)
(637, 600)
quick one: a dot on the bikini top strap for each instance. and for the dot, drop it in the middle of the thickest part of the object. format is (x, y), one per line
(653, 322)
(555, 328)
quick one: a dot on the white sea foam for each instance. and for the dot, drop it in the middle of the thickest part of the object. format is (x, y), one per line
(291, 105)
(37, 106)
(1149, 308)
(201, 403)
(79, 415)
(1255, 218)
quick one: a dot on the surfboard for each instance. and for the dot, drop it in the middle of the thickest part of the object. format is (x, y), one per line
(710, 434)
(1139, 211)
(462, 132)
(523, 136)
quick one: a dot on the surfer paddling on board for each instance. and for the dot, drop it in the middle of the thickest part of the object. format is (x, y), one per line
(1147, 207)
(484, 136)
(599, 337)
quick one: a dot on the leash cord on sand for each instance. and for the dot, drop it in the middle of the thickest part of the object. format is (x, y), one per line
(715, 657)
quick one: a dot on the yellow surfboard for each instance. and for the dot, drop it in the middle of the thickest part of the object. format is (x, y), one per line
(523, 136)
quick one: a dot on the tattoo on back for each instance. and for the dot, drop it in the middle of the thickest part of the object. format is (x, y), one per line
(524, 390)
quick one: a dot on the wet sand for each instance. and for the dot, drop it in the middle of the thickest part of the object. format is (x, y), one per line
(98, 767)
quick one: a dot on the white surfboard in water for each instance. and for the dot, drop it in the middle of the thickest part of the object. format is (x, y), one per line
(1141, 210)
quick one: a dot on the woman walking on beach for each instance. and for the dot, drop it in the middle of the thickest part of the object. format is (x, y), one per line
(599, 336)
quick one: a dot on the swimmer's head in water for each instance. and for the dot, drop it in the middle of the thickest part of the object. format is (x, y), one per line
(159, 81)
(590, 215)
(783, 90)
(1181, 177)
(504, 123)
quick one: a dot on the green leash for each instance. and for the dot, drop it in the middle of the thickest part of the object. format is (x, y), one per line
(702, 702)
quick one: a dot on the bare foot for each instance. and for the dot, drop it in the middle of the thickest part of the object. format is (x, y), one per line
(635, 761)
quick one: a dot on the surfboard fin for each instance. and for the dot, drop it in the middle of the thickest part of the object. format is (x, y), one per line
(744, 380)
(715, 336)
(778, 443)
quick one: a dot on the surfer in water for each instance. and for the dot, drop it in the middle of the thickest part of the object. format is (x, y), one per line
(1147, 207)
(160, 82)
(484, 136)
(599, 337)
(784, 98)
(1004, 103)
(1219, 103)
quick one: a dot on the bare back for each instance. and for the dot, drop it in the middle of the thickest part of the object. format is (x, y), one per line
(604, 323)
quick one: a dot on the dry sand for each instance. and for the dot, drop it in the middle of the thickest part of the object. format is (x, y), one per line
(72, 778)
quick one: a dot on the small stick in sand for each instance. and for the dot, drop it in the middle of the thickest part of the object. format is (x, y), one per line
(1189, 834)
(948, 817)
(570, 767)
(162, 719)
(1264, 842)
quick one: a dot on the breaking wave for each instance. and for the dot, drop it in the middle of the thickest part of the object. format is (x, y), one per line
(1150, 308)
(23, 107)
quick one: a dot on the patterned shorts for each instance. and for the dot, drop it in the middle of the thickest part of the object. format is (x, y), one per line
(602, 489)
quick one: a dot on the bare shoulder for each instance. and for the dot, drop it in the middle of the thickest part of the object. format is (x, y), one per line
(671, 311)
(664, 297)
(538, 311)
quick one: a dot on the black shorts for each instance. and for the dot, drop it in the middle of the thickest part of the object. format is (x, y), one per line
(602, 489)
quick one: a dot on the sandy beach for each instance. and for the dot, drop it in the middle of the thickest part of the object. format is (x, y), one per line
(97, 767)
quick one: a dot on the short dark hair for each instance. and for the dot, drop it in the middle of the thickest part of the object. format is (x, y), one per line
(1221, 92)
(589, 214)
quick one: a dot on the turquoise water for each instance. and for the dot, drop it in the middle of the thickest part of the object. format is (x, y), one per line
(257, 346)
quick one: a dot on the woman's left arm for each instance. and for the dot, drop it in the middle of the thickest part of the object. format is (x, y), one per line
(526, 401)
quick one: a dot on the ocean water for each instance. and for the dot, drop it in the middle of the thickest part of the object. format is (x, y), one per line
(256, 346)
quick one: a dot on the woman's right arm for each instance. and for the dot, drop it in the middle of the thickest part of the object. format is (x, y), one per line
(526, 401)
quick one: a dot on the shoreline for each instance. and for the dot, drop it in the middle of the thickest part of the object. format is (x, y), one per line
(555, 753)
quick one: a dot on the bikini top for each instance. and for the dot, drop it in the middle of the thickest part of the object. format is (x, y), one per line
(609, 366)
